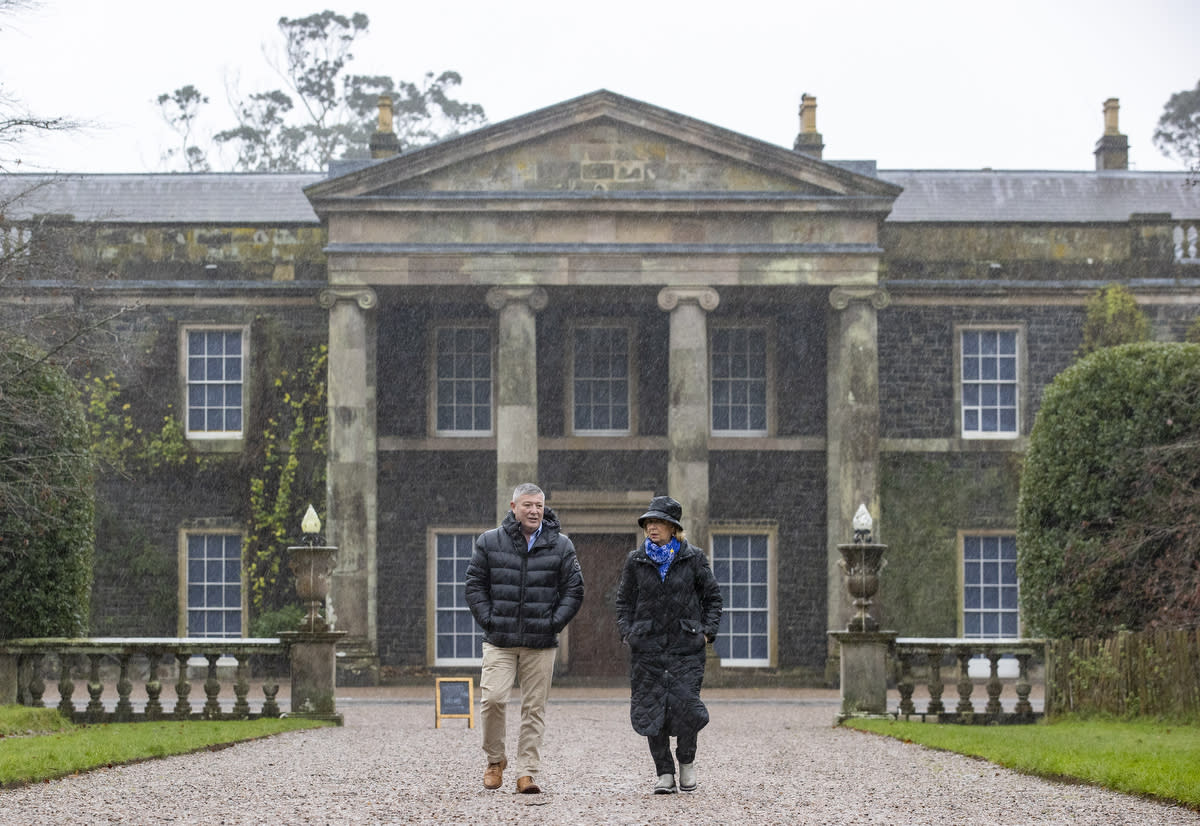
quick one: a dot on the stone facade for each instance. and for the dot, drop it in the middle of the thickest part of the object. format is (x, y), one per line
(460, 288)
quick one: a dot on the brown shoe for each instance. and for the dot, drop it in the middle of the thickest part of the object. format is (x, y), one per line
(525, 785)
(493, 776)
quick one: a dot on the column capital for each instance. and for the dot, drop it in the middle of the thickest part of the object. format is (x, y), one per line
(365, 297)
(670, 297)
(840, 297)
(535, 297)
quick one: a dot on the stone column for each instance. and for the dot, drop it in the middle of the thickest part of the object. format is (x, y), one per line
(688, 423)
(516, 389)
(852, 426)
(351, 483)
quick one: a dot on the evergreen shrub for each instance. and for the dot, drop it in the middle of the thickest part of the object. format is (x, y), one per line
(1104, 494)
(46, 498)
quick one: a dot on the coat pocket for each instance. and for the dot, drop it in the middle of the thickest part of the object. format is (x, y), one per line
(693, 636)
(639, 633)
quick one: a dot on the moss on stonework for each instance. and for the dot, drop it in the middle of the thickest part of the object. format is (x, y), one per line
(924, 505)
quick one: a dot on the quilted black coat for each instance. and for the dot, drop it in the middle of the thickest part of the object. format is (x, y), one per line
(666, 624)
(524, 598)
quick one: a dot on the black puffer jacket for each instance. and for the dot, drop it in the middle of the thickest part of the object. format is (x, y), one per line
(666, 624)
(524, 598)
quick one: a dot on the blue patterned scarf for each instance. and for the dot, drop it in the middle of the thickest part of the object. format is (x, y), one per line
(662, 555)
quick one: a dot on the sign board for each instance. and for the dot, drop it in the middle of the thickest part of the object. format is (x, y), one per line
(455, 698)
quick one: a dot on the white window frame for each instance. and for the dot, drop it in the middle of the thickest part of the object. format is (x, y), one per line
(1017, 382)
(435, 389)
(437, 588)
(972, 579)
(187, 382)
(766, 588)
(630, 377)
(768, 379)
(186, 583)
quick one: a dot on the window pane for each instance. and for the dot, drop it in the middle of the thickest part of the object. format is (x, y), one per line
(989, 390)
(738, 380)
(459, 639)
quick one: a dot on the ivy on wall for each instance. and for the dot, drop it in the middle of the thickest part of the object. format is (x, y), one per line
(283, 461)
(288, 475)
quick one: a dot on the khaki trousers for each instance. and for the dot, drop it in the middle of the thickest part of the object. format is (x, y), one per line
(534, 668)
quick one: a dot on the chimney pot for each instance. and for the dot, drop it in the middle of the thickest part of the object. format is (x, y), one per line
(384, 142)
(809, 141)
(1112, 150)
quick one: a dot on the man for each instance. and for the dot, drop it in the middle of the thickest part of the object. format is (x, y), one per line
(523, 586)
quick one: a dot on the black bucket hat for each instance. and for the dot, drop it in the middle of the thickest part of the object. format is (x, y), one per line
(664, 508)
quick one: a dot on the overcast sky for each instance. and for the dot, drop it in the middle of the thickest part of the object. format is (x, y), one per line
(923, 84)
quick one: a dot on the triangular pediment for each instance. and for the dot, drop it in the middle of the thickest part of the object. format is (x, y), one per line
(601, 143)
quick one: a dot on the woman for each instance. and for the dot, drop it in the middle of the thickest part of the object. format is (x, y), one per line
(668, 607)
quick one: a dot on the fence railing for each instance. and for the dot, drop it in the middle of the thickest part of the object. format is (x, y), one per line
(1155, 673)
(927, 662)
(28, 665)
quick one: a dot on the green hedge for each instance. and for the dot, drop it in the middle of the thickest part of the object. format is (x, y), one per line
(46, 498)
(1085, 479)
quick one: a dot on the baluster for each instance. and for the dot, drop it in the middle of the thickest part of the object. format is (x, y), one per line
(95, 708)
(964, 707)
(935, 682)
(241, 687)
(271, 686)
(270, 707)
(124, 712)
(37, 686)
(1023, 707)
(154, 709)
(993, 684)
(65, 687)
(183, 709)
(212, 688)
(904, 684)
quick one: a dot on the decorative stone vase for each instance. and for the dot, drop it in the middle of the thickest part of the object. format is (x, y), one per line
(860, 564)
(312, 566)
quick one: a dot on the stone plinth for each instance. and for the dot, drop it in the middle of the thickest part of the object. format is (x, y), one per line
(314, 684)
(864, 674)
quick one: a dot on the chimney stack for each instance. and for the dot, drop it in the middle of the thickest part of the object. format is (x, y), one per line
(809, 142)
(1112, 150)
(384, 142)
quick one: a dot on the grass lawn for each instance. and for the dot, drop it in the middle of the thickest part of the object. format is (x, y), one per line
(1139, 757)
(39, 744)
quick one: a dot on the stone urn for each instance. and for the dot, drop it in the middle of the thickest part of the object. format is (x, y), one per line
(312, 565)
(861, 562)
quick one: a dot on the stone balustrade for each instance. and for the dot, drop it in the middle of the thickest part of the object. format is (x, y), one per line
(932, 660)
(26, 664)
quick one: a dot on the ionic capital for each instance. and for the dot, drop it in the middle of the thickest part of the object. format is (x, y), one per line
(365, 297)
(535, 297)
(840, 297)
(671, 297)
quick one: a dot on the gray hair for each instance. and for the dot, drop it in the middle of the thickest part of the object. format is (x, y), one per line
(527, 489)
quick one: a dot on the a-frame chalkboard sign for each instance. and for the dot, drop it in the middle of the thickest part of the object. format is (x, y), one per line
(455, 698)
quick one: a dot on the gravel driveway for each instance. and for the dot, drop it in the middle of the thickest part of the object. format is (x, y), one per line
(766, 758)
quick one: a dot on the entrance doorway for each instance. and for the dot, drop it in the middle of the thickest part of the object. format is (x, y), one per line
(595, 646)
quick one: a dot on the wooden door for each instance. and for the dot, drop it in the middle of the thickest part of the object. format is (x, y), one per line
(595, 647)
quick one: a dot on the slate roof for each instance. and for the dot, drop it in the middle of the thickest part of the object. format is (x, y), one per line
(158, 198)
(1055, 197)
(928, 196)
